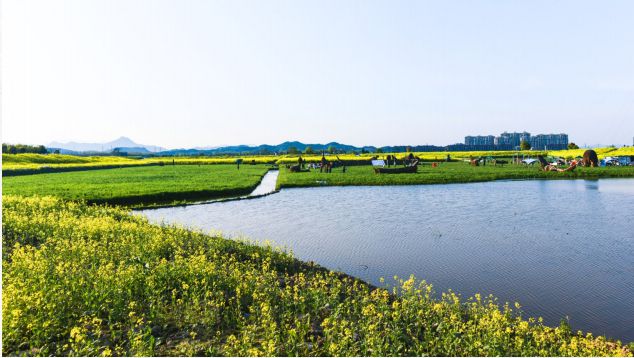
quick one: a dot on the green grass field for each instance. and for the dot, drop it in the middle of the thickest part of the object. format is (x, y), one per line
(141, 185)
(24, 164)
(87, 280)
(165, 185)
(454, 172)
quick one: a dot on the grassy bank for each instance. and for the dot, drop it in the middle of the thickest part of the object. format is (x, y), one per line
(456, 172)
(175, 184)
(145, 185)
(90, 280)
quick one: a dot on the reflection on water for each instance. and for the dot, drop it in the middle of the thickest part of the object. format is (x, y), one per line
(560, 248)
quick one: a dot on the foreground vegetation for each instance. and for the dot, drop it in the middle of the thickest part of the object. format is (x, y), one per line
(147, 185)
(456, 172)
(92, 280)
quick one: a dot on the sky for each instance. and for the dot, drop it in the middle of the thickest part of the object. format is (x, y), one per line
(208, 73)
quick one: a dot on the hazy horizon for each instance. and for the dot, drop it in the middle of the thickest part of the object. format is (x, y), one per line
(200, 73)
(154, 146)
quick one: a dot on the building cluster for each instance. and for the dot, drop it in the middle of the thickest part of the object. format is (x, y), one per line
(511, 141)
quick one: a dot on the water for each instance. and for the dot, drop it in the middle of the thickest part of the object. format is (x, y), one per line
(560, 248)
(267, 185)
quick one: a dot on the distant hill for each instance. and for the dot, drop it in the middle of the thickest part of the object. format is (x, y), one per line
(268, 149)
(62, 151)
(284, 147)
(131, 150)
(122, 142)
(126, 145)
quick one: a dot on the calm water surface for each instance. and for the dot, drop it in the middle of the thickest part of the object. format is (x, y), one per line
(560, 248)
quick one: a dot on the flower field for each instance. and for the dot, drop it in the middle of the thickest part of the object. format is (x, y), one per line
(94, 280)
(11, 160)
(20, 164)
(622, 151)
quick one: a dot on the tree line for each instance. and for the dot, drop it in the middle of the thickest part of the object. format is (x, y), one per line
(23, 148)
(331, 150)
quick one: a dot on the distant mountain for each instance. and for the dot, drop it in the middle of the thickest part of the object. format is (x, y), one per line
(126, 145)
(131, 150)
(61, 151)
(284, 147)
(122, 142)
(268, 149)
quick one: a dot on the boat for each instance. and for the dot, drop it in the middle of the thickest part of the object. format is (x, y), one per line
(410, 169)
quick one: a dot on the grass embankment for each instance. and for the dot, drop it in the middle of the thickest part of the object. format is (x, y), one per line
(455, 172)
(141, 185)
(92, 280)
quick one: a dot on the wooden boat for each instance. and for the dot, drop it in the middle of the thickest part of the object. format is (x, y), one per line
(399, 170)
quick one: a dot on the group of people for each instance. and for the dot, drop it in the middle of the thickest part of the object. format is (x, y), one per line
(324, 165)
(410, 159)
(552, 167)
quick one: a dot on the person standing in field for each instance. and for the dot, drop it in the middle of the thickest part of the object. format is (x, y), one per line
(323, 163)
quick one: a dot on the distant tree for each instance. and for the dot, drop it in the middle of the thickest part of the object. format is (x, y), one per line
(572, 145)
(292, 150)
(524, 145)
(332, 149)
(309, 150)
(23, 148)
(363, 151)
(56, 151)
(378, 150)
(408, 149)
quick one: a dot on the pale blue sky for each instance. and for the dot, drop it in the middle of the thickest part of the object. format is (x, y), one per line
(204, 73)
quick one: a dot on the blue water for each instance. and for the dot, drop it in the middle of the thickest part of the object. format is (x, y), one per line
(562, 248)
